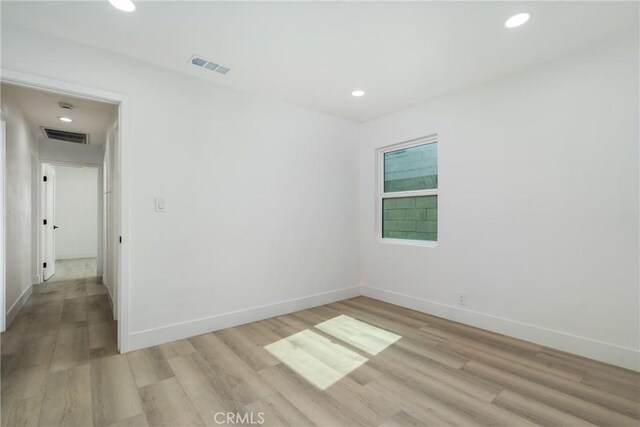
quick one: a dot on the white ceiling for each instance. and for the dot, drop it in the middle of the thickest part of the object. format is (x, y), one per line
(41, 109)
(315, 53)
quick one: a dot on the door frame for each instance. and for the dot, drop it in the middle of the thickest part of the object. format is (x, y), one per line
(3, 174)
(42, 197)
(124, 248)
(100, 218)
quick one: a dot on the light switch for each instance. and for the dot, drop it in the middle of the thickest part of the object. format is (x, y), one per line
(159, 205)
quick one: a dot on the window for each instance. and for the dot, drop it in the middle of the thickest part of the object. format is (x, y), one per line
(408, 183)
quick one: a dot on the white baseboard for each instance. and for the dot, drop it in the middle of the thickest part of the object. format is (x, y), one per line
(76, 255)
(605, 352)
(17, 306)
(176, 331)
(36, 280)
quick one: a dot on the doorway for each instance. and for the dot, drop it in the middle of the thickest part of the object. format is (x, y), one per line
(53, 259)
(72, 222)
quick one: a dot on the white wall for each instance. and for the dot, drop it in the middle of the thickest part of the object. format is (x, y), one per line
(259, 193)
(76, 212)
(538, 206)
(21, 154)
(51, 150)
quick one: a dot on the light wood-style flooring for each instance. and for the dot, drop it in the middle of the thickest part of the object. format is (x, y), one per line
(357, 362)
(74, 269)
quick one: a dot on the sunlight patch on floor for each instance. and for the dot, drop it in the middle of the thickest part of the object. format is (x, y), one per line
(315, 358)
(323, 362)
(361, 335)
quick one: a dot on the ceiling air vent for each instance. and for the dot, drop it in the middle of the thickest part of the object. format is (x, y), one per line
(198, 61)
(63, 135)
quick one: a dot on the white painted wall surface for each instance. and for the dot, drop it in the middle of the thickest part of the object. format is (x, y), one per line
(76, 212)
(538, 206)
(260, 194)
(21, 152)
(58, 151)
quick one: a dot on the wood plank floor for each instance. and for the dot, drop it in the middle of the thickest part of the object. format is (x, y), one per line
(73, 269)
(357, 362)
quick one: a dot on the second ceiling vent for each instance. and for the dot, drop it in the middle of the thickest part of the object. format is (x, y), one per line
(199, 61)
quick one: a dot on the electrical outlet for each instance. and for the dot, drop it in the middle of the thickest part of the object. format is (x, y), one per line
(461, 299)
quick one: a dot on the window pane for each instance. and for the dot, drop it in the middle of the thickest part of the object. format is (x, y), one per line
(414, 168)
(411, 218)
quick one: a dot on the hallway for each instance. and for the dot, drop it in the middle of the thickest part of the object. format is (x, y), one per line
(66, 323)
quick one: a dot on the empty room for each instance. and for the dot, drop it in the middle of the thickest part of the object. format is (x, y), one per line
(308, 213)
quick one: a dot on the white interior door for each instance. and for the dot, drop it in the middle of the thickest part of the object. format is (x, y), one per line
(48, 223)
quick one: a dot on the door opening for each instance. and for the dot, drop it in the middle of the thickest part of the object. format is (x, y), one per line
(42, 168)
(49, 221)
(72, 222)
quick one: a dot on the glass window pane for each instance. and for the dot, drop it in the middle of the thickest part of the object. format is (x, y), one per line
(410, 218)
(414, 168)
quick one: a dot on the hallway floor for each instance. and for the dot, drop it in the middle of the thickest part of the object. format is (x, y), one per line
(74, 269)
(64, 325)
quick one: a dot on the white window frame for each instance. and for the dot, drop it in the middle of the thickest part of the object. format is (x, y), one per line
(381, 195)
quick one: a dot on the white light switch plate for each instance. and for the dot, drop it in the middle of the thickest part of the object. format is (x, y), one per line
(160, 206)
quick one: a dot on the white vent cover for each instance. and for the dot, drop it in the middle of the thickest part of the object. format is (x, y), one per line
(66, 136)
(201, 62)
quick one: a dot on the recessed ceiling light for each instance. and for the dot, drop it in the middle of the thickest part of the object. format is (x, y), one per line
(65, 119)
(123, 5)
(517, 20)
(357, 93)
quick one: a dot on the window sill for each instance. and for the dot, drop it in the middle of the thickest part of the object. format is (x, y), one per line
(406, 242)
